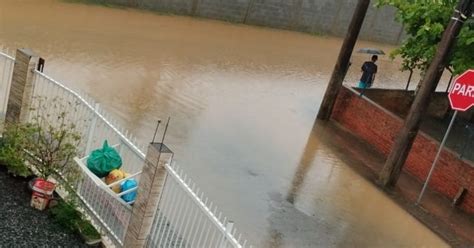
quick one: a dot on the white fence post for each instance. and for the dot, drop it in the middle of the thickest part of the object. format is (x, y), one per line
(90, 136)
(148, 195)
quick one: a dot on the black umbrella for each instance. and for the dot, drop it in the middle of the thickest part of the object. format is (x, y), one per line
(371, 51)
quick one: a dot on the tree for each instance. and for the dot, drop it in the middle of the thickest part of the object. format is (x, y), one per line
(424, 22)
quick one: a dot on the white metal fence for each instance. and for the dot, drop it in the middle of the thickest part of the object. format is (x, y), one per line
(183, 218)
(6, 72)
(109, 210)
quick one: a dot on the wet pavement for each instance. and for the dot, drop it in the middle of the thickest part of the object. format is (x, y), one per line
(242, 102)
(435, 211)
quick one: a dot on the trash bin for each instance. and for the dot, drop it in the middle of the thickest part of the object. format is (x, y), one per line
(42, 193)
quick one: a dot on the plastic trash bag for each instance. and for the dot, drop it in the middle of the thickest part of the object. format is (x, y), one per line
(129, 184)
(102, 161)
(114, 176)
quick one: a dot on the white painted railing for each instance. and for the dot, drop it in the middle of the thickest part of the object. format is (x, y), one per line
(183, 218)
(94, 125)
(6, 72)
(107, 208)
(110, 211)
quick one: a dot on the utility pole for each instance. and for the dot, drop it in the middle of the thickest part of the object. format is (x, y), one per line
(403, 143)
(342, 63)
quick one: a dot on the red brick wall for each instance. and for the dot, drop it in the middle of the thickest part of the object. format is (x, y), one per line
(379, 127)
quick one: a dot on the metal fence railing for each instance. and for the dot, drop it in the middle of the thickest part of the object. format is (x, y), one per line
(109, 210)
(6, 72)
(185, 219)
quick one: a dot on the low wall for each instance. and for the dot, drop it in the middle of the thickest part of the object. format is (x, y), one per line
(399, 101)
(379, 127)
(312, 16)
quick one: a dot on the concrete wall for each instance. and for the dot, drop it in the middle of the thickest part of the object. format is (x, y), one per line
(399, 101)
(452, 173)
(312, 16)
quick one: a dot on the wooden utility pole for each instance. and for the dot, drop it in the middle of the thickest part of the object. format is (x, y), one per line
(403, 143)
(343, 59)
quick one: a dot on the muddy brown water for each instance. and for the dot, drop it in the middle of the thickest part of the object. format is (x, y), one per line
(242, 102)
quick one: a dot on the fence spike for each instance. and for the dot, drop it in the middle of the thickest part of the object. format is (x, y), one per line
(185, 179)
(202, 195)
(197, 192)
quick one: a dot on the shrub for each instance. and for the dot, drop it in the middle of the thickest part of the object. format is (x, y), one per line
(66, 215)
(55, 138)
(12, 155)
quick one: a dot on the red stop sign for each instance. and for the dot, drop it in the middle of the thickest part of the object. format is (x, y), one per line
(461, 95)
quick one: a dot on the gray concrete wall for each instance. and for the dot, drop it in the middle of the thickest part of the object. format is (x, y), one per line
(312, 16)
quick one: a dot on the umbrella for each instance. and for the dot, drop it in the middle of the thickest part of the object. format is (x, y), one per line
(371, 51)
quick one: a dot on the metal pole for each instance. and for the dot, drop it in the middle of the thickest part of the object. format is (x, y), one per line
(437, 157)
(409, 80)
(342, 63)
(450, 81)
(407, 134)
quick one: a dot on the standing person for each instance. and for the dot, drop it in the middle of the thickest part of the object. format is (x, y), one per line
(369, 69)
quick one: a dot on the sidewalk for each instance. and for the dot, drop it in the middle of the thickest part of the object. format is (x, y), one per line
(451, 224)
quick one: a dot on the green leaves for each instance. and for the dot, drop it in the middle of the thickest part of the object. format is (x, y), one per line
(12, 155)
(55, 140)
(49, 141)
(425, 22)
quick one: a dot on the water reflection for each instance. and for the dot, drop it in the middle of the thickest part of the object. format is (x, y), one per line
(305, 163)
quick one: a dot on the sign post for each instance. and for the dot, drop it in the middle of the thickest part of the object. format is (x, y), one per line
(461, 98)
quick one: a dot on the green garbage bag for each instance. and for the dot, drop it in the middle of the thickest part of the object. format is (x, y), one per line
(102, 161)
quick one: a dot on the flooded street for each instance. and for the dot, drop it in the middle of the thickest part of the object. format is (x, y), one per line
(242, 102)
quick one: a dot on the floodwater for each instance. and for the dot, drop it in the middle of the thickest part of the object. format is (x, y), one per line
(242, 102)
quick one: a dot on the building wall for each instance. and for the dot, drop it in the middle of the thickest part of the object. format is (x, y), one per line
(452, 173)
(312, 16)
